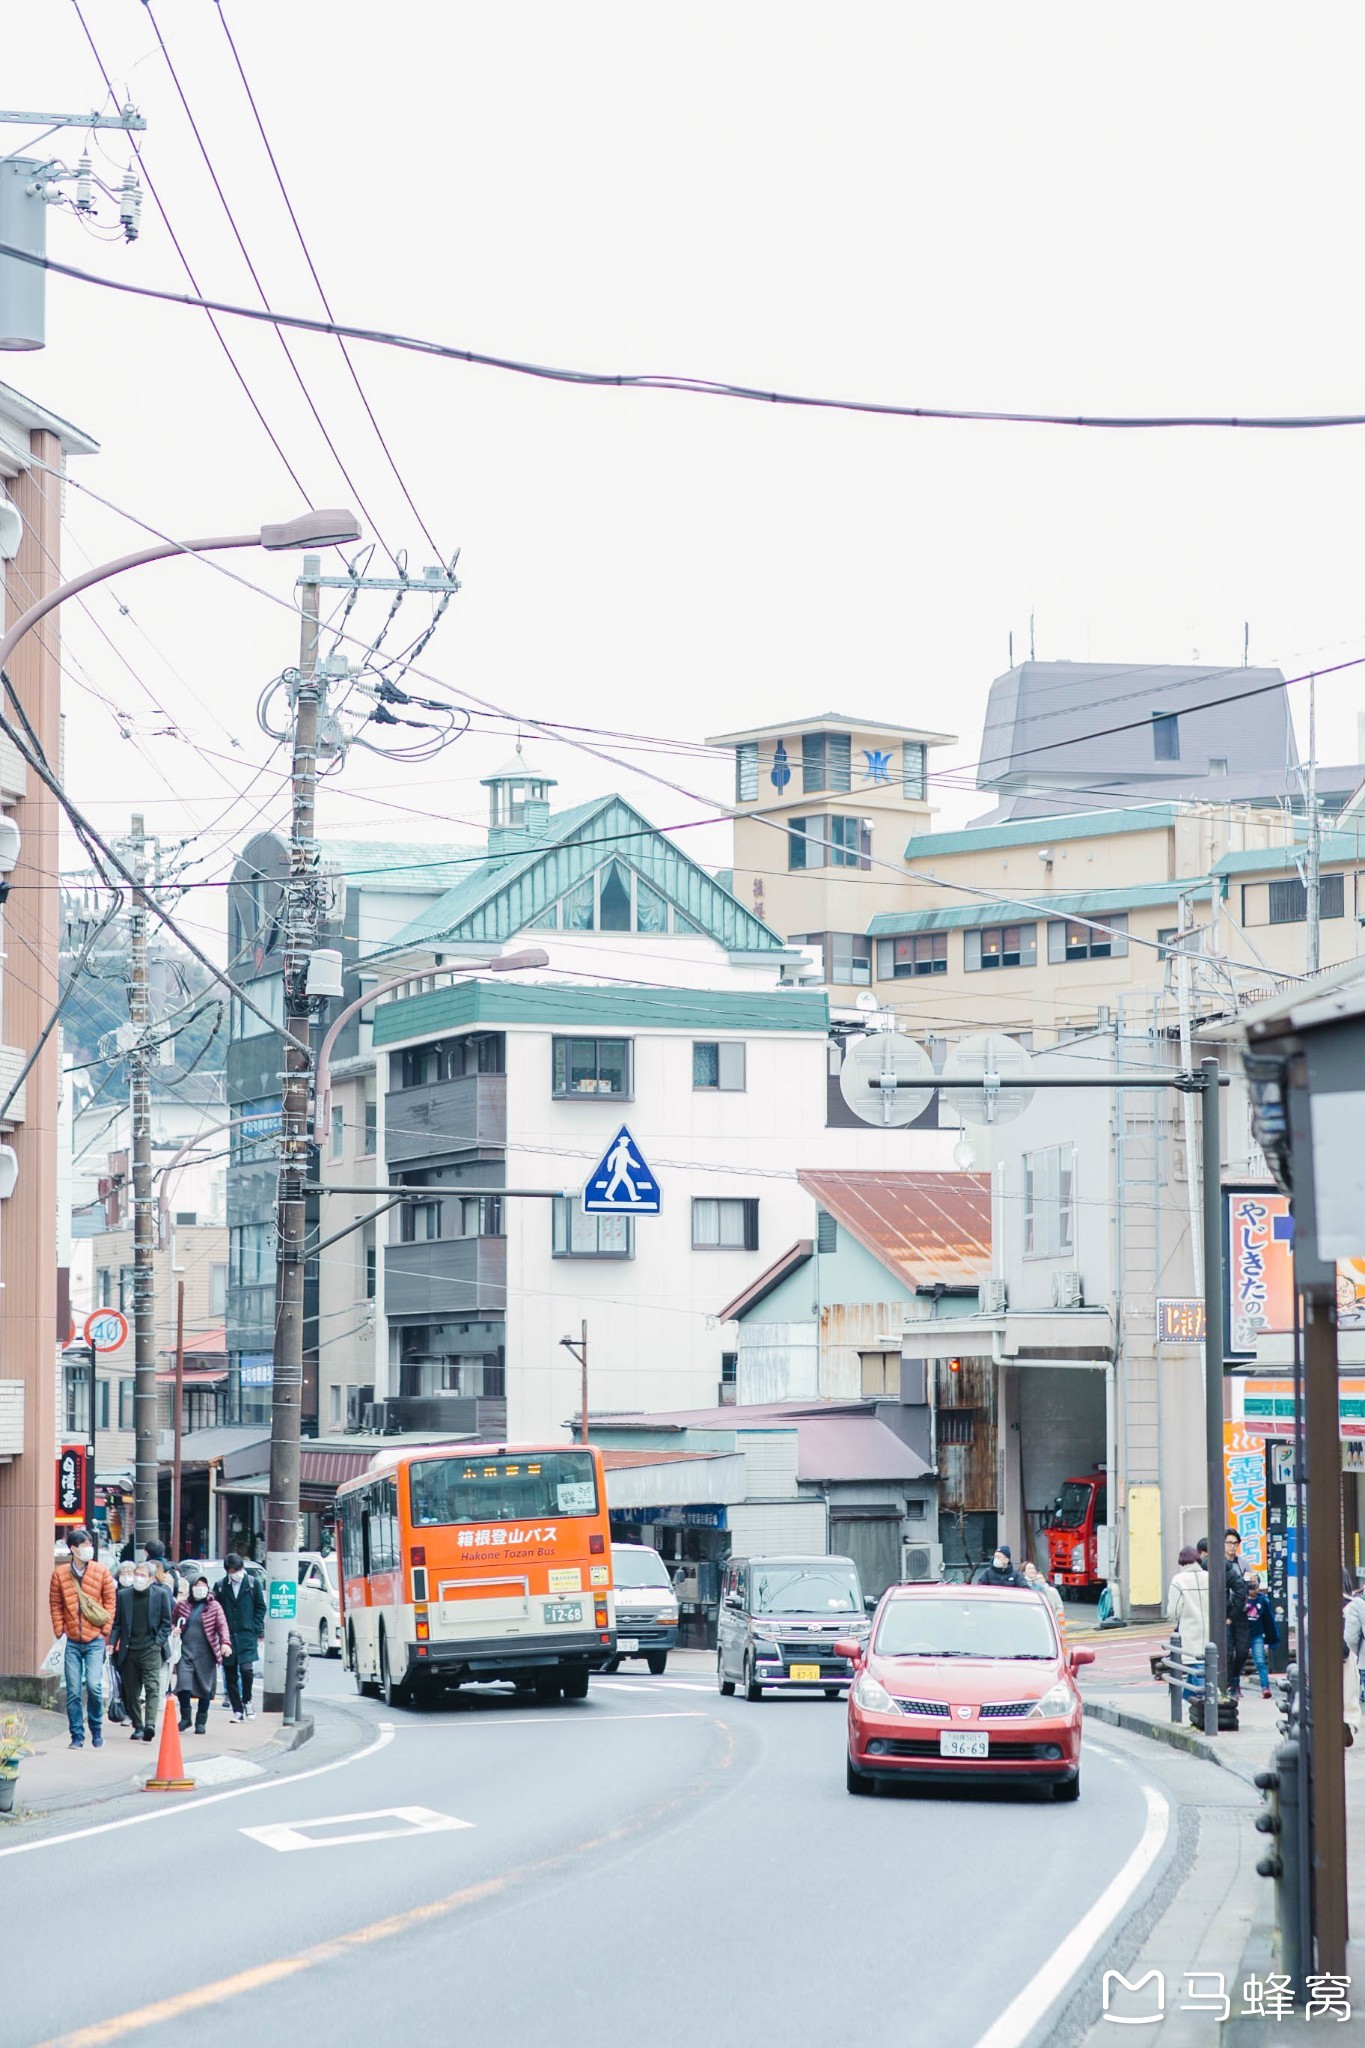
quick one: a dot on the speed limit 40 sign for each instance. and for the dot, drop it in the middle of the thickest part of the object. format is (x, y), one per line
(106, 1329)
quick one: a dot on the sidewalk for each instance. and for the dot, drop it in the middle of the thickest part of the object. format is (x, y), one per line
(57, 1777)
(1222, 1919)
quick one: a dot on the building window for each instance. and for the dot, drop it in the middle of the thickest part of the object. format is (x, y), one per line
(218, 1279)
(957, 1425)
(879, 1372)
(1165, 736)
(577, 1236)
(848, 959)
(1000, 945)
(1069, 939)
(103, 1403)
(334, 1406)
(419, 1222)
(1289, 900)
(125, 1404)
(255, 1128)
(912, 770)
(104, 1288)
(746, 772)
(592, 1066)
(826, 762)
(338, 1132)
(826, 1232)
(480, 1216)
(371, 1271)
(420, 1066)
(897, 959)
(718, 1064)
(1049, 1178)
(850, 842)
(482, 1052)
(727, 1224)
(729, 1368)
(369, 1135)
(251, 1255)
(806, 842)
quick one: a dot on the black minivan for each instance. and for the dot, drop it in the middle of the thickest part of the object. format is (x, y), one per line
(779, 1617)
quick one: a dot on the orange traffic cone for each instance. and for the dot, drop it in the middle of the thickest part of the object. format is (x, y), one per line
(170, 1765)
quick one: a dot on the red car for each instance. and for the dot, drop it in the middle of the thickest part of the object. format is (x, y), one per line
(964, 1682)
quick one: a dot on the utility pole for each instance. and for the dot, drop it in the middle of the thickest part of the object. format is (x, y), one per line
(1212, 1181)
(1313, 877)
(179, 1418)
(579, 1351)
(300, 931)
(146, 1507)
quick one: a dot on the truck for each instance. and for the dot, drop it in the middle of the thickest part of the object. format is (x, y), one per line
(1072, 1523)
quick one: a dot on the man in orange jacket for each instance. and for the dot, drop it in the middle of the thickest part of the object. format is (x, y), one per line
(81, 1598)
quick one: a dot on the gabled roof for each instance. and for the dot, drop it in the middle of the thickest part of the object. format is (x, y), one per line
(402, 864)
(923, 1227)
(1033, 903)
(505, 893)
(759, 1290)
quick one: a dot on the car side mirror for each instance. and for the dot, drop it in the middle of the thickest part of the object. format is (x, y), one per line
(845, 1646)
(1079, 1657)
(870, 1603)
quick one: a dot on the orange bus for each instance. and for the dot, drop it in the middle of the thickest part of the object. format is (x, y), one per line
(476, 1561)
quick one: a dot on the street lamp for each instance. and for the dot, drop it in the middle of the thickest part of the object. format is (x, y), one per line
(505, 963)
(309, 530)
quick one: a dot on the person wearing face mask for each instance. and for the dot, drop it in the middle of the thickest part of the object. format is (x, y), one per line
(80, 1598)
(204, 1642)
(241, 1595)
(1000, 1571)
(140, 1645)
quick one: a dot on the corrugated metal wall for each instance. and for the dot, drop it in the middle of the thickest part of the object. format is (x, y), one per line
(796, 1525)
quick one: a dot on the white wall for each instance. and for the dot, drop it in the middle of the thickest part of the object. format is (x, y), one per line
(654, 1341)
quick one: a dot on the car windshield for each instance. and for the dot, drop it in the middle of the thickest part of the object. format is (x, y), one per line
(966, 1628)
(632, 1565)
(1073, 1503)
(806, 1589)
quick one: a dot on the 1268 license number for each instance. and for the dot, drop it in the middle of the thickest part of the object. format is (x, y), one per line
(563, 1610)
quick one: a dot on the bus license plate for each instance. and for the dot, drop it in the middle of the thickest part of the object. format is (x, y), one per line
(952, 1743)
(563, 1610)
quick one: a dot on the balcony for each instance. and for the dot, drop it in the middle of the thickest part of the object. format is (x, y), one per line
(467, 1115)
(446, 1278)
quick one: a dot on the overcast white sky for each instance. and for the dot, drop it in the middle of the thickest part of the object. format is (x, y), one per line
(1042, 207)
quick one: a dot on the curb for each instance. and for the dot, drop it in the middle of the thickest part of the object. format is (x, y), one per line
(282, 1744)
(1173, 1733)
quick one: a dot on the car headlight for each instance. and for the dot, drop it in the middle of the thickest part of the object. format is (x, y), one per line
(770, 1653)
(667, 1616)
(871, 1694)
(1078, 1558)
(1056, 1702)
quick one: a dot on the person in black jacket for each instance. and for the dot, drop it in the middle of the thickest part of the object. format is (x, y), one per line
(1239, 1633)
(241, 1595)
(1000, 1571)
(140, 1643)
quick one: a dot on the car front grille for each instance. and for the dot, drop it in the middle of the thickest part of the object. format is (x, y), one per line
(1007, 1710)
(933, 1710)
(921, 1746)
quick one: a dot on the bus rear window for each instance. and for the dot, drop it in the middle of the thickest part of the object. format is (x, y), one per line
(448, 1490)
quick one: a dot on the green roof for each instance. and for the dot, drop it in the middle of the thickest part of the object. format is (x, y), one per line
(506, 893)
(1042, 831)
(630, 1010)
(1085, 903)
(399, 864)
(1270, 859)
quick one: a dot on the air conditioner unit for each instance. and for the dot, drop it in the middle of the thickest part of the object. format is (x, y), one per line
(993, 1297)
(921, 1562)
(357, 1401)
(1067, 1291)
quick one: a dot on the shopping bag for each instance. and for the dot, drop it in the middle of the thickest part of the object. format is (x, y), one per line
(54, 1662)
(113, 1692)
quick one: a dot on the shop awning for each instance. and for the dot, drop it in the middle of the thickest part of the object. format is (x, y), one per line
(1064, 1336)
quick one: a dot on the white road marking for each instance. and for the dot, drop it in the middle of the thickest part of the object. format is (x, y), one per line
(135, 1820)
(561, 1721)
(649, 1685)
(1023, 2014)
(303, 1834)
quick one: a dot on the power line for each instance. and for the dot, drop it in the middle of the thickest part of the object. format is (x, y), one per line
(696, 387)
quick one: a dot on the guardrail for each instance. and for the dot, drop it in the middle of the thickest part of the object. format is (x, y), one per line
(1193, 1681)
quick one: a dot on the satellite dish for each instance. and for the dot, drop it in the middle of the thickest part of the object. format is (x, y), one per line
(878, 1053)
(987, 1052)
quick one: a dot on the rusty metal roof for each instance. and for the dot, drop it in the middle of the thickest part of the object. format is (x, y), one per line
(622, 1461)
(924, 1227)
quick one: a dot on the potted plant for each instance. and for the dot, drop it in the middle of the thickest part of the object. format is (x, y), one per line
(13, 1746)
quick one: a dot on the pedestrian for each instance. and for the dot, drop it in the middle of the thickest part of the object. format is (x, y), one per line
(241, 1596)
(1239, 1636)
(1262, 1629)
(163, 1571)
(204, 1642)
(1000, 1571)
(80, 1598)
(140, 1645)
(1046, 1591)
(1187, 1606)
(1353, 1630)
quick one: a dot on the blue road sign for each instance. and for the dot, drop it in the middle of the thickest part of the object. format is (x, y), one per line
(622, 1184)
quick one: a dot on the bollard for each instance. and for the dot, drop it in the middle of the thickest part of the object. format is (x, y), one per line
(1283, 1862)
(295, 1670)
(1211, 1688)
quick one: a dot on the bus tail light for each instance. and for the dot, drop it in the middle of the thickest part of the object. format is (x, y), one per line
(600, 1614)
(597, 1545)
(418, 1553)
(423, 1626)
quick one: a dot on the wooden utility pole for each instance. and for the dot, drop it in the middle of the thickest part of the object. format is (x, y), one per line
(579, 1351)
(179, 1418)
(145, 1467)
(300, 932)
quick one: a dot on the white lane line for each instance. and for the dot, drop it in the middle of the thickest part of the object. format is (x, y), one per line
(648, 1685)
(1023, 2013)
(559, 1721)
(135, 1820)
(416, 1820)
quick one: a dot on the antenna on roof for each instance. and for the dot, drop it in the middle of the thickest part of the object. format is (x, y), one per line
(1031, 655)
(1011, 650)
(1246, 641)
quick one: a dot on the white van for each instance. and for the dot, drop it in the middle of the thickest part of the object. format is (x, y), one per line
(319, 1612)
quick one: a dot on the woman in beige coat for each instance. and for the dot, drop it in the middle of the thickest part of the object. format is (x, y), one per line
(1187, 1607)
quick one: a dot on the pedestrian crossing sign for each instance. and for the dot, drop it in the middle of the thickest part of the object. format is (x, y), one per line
(621, 1183)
